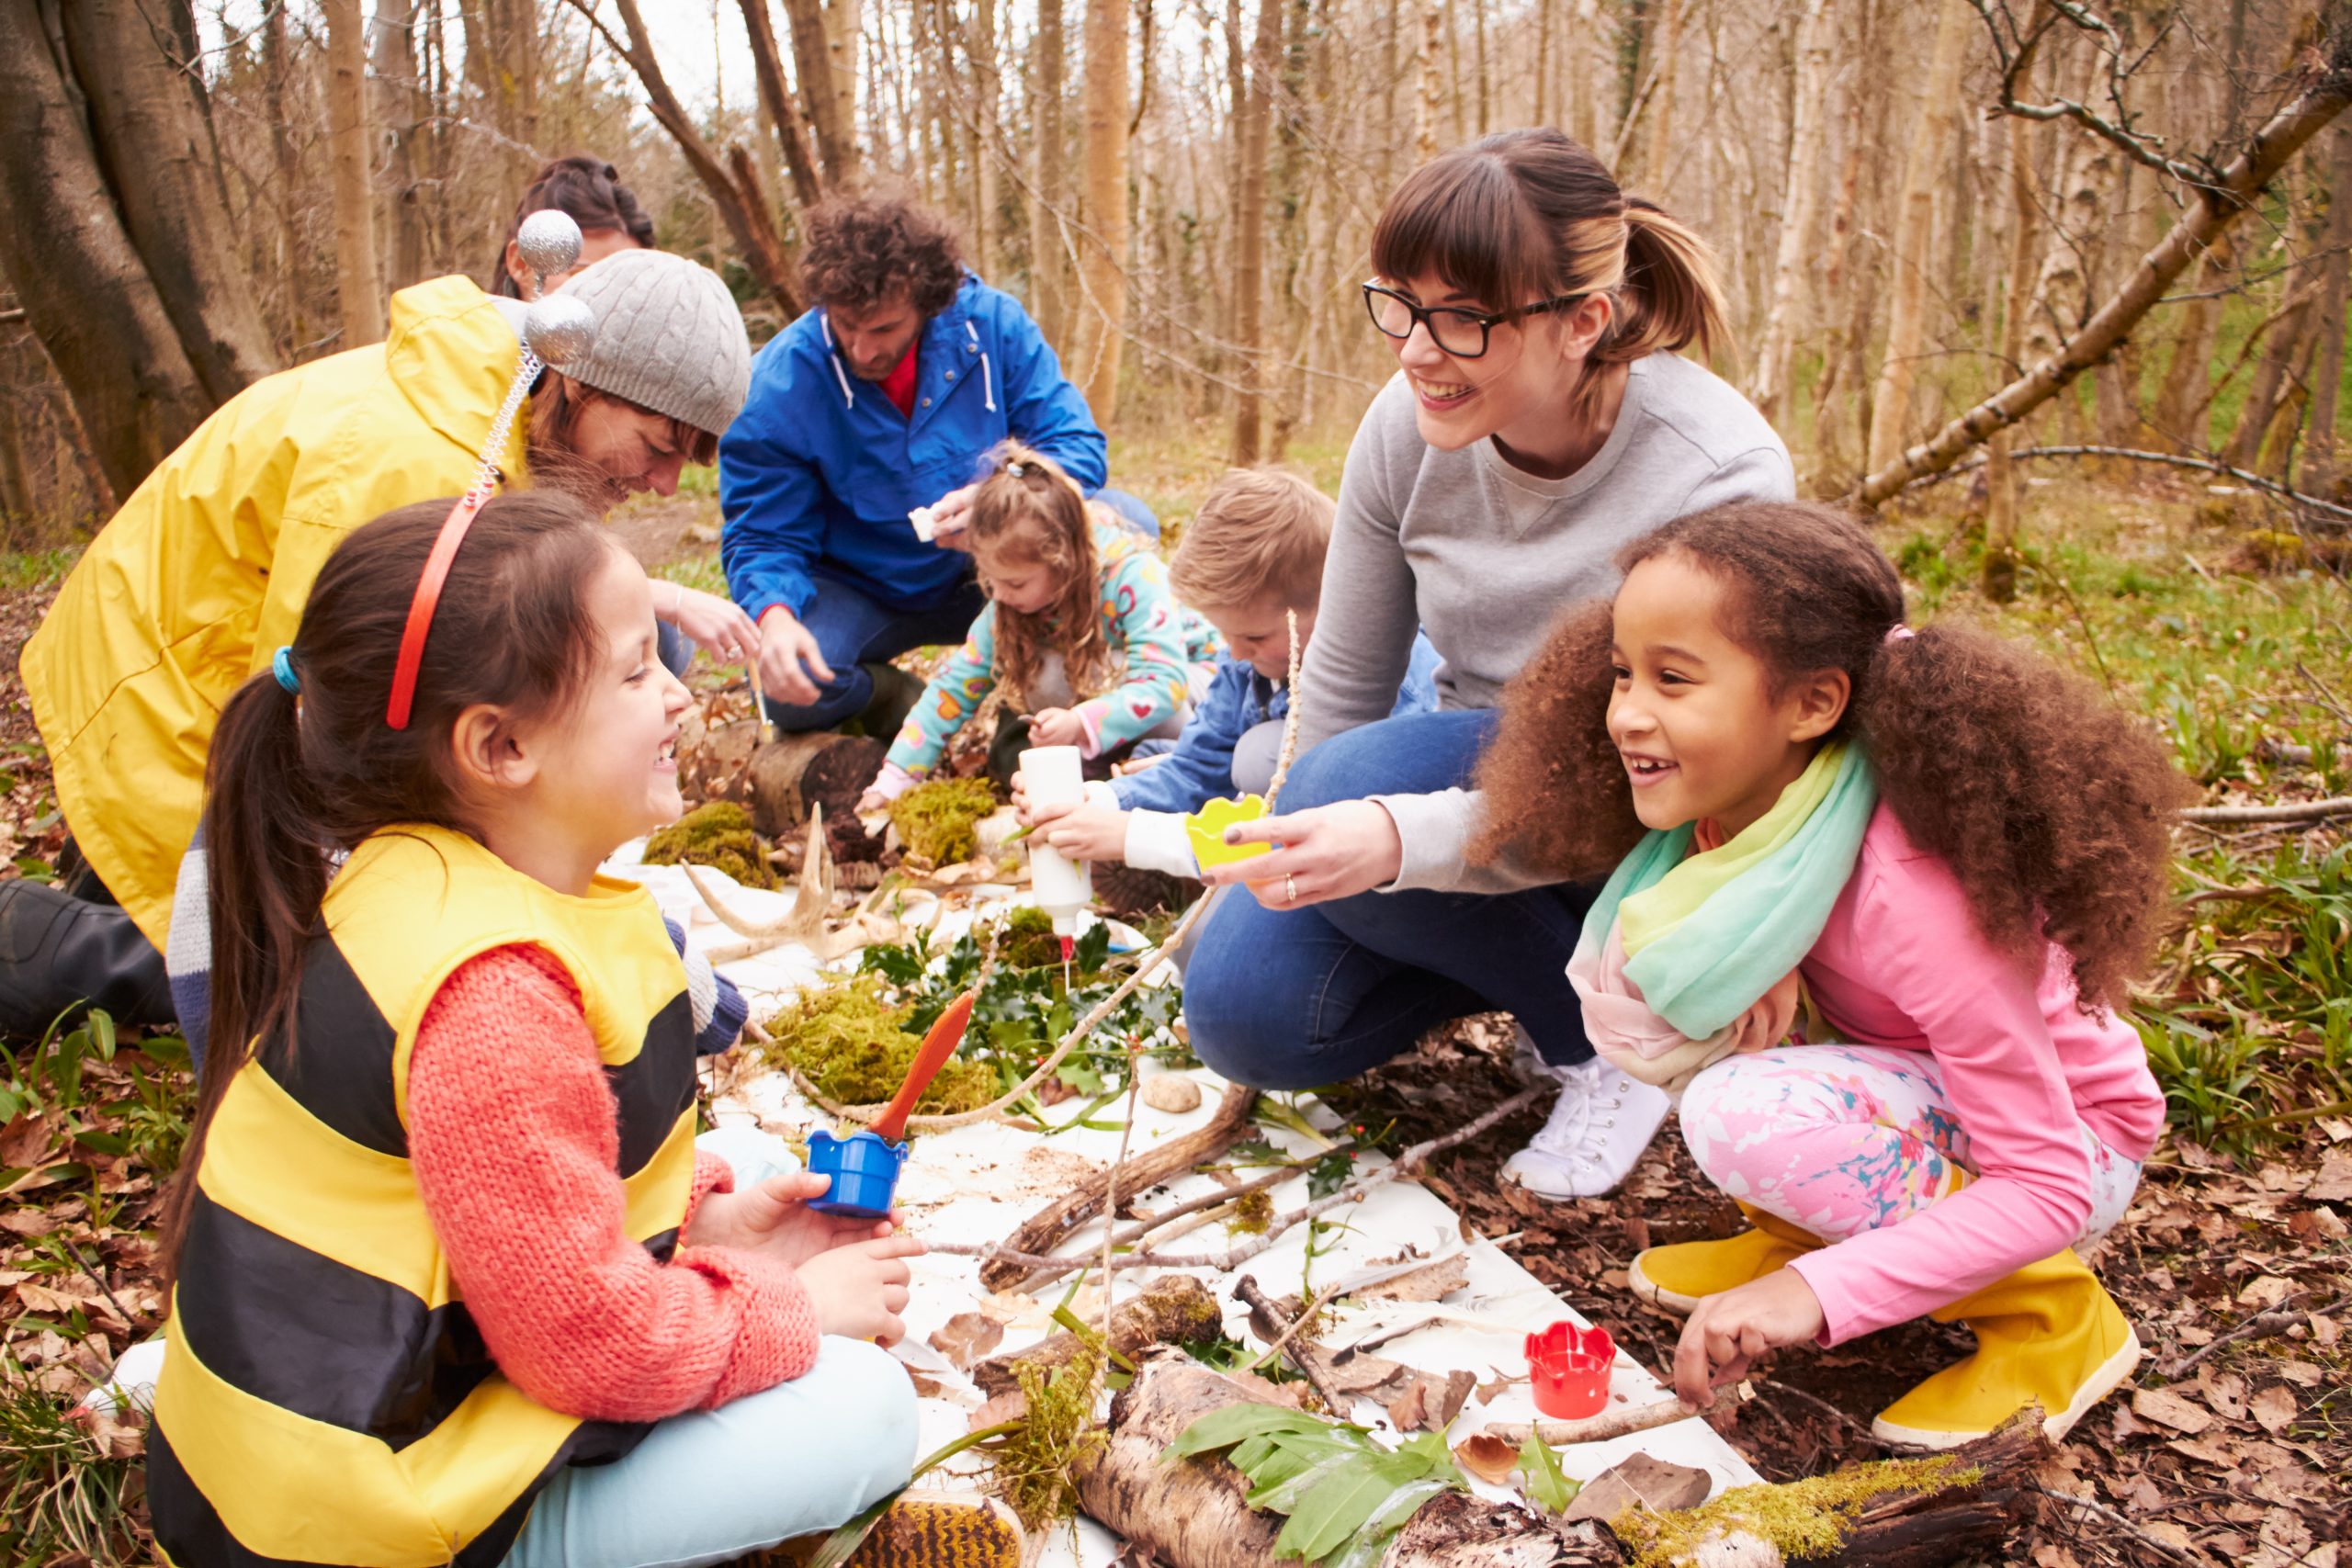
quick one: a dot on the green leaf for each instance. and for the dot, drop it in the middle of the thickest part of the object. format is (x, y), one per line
(1227, 1425)
(1328, 1468)
(842, 1545)
(1546, 1487)
(1336, 1510)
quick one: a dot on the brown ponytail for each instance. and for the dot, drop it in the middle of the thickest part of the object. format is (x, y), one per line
(1032, 512)
(292, 780)
(1527, 215)
(2050, 806)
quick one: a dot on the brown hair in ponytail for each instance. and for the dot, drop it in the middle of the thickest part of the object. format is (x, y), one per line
(291, 780)
(2050, 806)
(1527, 215)
(1027, 510)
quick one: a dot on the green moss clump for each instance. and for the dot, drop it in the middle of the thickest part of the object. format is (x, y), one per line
(717, 835)
(1034, 1470)
(1801, 1519)
(1028, 941)
(856, 1049)
(1253, 1213)
(936, 819)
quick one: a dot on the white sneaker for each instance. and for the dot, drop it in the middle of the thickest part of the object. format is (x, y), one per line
(1600, 1126)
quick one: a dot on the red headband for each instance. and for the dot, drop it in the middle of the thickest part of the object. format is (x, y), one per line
(427, 600)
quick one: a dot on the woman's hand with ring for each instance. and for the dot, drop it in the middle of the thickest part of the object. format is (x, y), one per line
(717, 626)
(1329, 852)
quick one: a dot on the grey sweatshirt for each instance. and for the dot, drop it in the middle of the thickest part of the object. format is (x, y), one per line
(1484, 558)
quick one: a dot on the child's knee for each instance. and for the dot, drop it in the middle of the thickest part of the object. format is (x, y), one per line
(873, 1400)
(1749, 1099)
(751, 1153)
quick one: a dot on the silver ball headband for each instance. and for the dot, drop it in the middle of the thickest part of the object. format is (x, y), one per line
(557, 329)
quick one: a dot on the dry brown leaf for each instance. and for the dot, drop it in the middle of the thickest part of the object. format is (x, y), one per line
(996, 1412)
(965, 1338)
(1639, 1479)
(1486, 1456)
(2225, 1392)
(1429, 1283)
(2167, 1409)
(1411, 1408)
(2334, 1182)
(2302, 1372)
(1269, 1392)
(2266, 1291)
(2274, 1407)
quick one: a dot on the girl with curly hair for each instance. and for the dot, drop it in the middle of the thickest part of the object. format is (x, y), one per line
(1876, 896)
(1079, 629)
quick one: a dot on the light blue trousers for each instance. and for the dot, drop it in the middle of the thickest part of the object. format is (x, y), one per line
(711, 1485)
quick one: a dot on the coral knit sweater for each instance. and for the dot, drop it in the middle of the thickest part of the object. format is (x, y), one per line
(514, 1137)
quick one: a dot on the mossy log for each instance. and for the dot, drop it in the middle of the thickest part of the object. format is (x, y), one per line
(788, 776)
(1190, 1515)
(1168, 1311)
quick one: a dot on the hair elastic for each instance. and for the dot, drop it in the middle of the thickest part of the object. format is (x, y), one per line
(1896, 633)
(1017, 468)
(281, 665)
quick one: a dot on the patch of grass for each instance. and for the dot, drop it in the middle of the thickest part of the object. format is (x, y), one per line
(64, 1498)
(700, 571)
(23, 570)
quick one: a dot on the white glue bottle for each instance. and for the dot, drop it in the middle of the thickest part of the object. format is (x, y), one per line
(1051, 775)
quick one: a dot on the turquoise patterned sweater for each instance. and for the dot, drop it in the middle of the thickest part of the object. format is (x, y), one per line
(1170, 651)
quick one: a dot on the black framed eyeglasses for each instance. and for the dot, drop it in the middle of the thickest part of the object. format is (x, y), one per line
(1461, 334)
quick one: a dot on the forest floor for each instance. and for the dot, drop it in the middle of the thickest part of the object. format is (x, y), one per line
(2233, 1263)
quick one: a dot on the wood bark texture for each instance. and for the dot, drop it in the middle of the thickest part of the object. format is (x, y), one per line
(1102, 248)
(1915, 233)
(359, 281)
(1249, 246)
(1800, 204)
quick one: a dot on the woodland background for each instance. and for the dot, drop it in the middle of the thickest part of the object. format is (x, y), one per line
(2086, 262)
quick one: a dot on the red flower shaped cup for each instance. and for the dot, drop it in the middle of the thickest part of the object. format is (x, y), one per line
(1568, 1368)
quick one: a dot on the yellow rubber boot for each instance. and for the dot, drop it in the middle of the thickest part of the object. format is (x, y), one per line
(2048, 1334)
(943, 1529)
(1676, 1277)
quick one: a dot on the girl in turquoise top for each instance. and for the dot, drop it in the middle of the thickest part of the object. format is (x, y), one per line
(1079, 629)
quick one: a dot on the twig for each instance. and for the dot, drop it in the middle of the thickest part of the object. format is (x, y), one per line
(1824, 1407)
(1612, 1423)
(1141, 1228)
(1247, 1289)
(84, 1264)
(2300, 811)
(1306, 1316)
(2114, 1520)
(1242, 1252)
(1110, 1178)
(1290, 719)
(2169, 459)
(2261, 1325)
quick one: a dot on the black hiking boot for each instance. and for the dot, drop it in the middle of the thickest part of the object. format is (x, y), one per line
(60, 955)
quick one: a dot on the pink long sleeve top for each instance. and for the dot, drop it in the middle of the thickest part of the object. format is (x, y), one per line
(1902, 964)
(514, 1139)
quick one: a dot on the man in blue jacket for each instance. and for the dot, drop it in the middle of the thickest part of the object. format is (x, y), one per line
(884, 401)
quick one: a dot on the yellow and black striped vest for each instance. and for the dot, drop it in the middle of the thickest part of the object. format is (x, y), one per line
(326, 1398)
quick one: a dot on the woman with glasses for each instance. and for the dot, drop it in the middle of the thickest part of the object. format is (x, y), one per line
(1542, 419)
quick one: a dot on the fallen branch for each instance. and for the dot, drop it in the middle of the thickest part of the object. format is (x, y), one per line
(1005, 1257)
(1054, 1268)
(2170, 459)
(1166, 1312)
(1041, 1231)
(2299, 811)
(1279, 1331)
(1611, 1424)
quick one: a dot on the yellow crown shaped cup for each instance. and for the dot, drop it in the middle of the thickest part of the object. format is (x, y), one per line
(1207, 827)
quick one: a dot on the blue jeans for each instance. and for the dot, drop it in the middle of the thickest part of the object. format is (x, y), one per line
(676, 648)
(853, 628)
(712, 1485)
(1286, 999)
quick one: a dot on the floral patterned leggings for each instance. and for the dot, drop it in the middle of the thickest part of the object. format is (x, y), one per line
(1842, 1139)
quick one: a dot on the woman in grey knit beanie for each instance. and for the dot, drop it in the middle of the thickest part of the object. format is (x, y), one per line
(666, 376)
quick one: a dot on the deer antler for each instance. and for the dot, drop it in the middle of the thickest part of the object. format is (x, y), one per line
(814, 900)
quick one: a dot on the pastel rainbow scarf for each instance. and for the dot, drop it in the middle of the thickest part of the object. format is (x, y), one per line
(1679, 945)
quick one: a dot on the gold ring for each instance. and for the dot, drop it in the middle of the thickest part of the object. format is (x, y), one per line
(1290, 889)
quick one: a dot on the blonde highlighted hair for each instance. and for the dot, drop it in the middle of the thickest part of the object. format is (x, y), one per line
(1260, 533)
(1527, 215)
(1028, 512)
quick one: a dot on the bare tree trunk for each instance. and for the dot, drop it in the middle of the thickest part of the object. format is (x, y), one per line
(401, 103)
(1425, 70)
(983, 51)
(1800, 200)
(824, 51)
(86, 293)
(1102, 248)
(358, 285)
(149, 132)
(1048, 258)
(1906, 331)
(1249, 236)
(1656, 142)
(277, 69)
(2211, 209)
(2335, 275)
(734, 185)
(2000, 573)
(2286, 349)
(791, 134)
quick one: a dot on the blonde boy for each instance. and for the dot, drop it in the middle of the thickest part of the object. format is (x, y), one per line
(1247, 562)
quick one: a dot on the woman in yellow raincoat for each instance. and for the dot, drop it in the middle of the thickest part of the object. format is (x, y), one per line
(202, 575)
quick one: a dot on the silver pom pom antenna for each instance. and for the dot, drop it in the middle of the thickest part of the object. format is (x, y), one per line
(560, 329)
(548, 241)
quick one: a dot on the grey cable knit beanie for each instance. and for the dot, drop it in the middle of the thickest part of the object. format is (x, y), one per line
(668, 337)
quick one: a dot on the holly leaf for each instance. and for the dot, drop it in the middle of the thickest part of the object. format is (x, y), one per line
(1547, 1488)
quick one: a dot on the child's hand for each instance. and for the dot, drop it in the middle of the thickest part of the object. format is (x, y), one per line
(949, 516)
(860, 1290)
(1056, 727)
(1766, 1024)
(892, 782)
(1727, 1332)
(773, 1218)
(1084, 829)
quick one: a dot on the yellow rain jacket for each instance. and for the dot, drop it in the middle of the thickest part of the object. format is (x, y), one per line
(203, 573)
